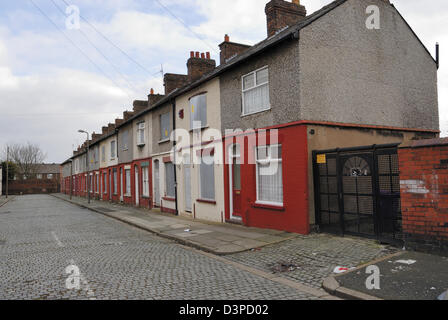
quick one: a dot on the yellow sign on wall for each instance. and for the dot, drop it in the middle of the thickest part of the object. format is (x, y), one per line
(321, 159)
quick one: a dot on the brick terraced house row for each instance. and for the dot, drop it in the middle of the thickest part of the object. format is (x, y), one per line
(295, 133)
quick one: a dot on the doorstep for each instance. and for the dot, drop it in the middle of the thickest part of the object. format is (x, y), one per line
(216, 238)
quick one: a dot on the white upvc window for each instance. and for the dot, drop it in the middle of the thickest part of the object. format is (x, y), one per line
(207, 178)
(145, 176)
(112, 149)
(39, 176)
(269, 175)
(255, 87)
(103, 153)
(198, 112)
(127, 173)
(141, 134)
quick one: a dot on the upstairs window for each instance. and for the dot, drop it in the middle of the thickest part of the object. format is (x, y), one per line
(125, 139)
(256, 91)
(112, 150)
(103, 154)
(141, 134)
(198, 112)
(165, 126)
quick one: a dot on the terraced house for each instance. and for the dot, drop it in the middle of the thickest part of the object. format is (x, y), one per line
(298, 131)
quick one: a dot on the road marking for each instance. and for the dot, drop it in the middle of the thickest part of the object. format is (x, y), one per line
(59, 243)
(84, 281)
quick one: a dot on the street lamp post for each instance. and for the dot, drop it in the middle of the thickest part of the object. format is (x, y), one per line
(87, 166)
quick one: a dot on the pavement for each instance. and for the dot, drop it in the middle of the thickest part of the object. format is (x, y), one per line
(219, 239)
(402, 276)
(51, 249)
(4, 200)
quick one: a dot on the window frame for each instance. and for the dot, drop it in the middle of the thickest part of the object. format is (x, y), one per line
(204, 124)
(145, 182)
(268, 161)
(162, 136)
(166, 180)
(125, 140)
(243, 91)
(141, 143)
(112, 150)
(128, 185)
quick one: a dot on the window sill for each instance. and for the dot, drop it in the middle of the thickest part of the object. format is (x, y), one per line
(199, 129)
(168, 199)
(127, 195)
(253, 113)
(164, 141)
(268, 206)
(206, 201)
(141, 145)
(146, 197)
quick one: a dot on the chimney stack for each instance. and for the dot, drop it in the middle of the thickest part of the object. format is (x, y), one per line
(154, 98)
(140, 105)
(118, 121)
(230, 49)
(281, 14)
(199, 65)
(127, 115)
(104, 130)
(174, 81)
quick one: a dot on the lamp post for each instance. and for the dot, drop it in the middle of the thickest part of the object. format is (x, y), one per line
(71, 178)
(87, 166)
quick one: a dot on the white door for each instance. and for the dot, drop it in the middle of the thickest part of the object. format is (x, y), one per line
(137, 195)
(156, 183)
(187, 186)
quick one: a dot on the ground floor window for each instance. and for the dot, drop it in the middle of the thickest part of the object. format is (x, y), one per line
(269, 175)
(105, 183)
(169, 180)
(207, 178)
(97, 182)
(145, 178)
(127, 173)
(115, 182)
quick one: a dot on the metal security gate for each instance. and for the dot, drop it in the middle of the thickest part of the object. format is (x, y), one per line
(357, 191)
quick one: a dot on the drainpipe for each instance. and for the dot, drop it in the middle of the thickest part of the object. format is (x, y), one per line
(173, 102)
(437, 56)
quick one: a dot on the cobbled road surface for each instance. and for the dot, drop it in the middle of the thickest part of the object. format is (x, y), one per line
(41, 236)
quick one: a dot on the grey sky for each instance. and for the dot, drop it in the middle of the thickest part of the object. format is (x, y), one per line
(49, 90)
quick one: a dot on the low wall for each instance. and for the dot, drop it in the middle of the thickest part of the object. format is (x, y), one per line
(424, 195)
(35, 186)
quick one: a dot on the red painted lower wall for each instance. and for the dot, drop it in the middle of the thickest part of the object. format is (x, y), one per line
(293, 216)
(424, 196)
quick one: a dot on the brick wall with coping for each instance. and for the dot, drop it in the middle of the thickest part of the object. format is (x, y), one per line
(424, 194)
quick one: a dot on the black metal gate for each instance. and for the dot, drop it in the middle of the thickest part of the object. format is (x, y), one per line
(357, 191)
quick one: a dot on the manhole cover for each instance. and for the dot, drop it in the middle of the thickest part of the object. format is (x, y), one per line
(104, 209)
(284, 267)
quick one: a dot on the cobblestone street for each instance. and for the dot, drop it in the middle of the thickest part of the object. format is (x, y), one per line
(313, 258)
(40, 236)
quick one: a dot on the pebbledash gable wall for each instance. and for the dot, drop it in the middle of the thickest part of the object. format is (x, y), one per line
(351, 74)
(424, 194)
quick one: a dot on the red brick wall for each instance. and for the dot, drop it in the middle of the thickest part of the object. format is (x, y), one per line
(33, 186)
(424, 196)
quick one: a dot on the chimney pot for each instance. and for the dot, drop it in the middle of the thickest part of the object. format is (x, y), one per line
(197, 54)
(208, 55)
(191, 54)
(226, 38)
(202, 56)
(152, 91)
